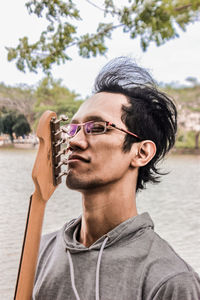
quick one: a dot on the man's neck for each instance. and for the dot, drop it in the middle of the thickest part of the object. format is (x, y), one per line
(103, 210)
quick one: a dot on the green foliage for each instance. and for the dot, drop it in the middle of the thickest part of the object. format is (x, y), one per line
(153, 21)
(186, 97)
(1, 125)
(14, 123)
(31, 102)
(50, 94)
(186, 140)
(21, 127)
(9, 120)
(19, 98)
(187, 100)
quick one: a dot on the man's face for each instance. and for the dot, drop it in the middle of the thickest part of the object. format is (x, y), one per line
(100, 160)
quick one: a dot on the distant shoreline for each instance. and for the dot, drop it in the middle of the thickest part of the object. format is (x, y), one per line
(183, 151)
(174, 151)
(27, 146)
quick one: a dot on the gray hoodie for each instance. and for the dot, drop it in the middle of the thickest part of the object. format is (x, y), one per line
(131, 262)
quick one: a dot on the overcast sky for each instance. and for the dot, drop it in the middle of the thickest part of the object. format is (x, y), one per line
(174, 61)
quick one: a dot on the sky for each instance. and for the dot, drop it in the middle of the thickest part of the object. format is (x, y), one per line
(172, 62)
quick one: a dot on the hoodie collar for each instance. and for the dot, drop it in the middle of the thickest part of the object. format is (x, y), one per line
(130, 228)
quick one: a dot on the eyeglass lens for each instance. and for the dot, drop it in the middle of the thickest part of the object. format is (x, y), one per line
(71, 129)
(89, 128)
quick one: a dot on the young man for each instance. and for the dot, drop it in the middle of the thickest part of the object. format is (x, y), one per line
(110, 252)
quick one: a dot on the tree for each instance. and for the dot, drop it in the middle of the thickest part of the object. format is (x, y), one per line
(50, 94)
(1, 125)
(152, 20)
(19, 98)
(9, 120)
(21, 126)
(15, 123)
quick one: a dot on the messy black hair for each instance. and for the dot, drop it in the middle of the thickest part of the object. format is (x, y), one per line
(151, 114)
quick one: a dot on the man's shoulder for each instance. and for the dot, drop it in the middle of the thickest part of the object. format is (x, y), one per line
(166, 271)
(49, 240)
(183, 285)
(165, 256)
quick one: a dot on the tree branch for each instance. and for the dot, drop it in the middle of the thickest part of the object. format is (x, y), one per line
(100, 8)
(96, 6)
(95, 35)
(182, 7)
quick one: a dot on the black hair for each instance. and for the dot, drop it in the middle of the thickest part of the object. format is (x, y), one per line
(151, 114)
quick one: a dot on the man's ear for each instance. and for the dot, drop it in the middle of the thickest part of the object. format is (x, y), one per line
(143, 153)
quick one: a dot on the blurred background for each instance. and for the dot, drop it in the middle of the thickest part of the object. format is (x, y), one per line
(50, 54)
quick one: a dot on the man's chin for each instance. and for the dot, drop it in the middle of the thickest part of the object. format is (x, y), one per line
(73, 182)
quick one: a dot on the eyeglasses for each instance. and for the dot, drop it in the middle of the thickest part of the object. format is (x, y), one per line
(93, 128)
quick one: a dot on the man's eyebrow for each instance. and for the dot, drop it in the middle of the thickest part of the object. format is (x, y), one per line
(89, 118)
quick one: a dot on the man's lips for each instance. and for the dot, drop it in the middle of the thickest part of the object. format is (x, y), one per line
(75, 157)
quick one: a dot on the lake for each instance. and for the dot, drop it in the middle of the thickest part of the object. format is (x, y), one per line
(174, 206)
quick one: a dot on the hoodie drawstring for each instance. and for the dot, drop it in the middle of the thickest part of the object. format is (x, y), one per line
(98, 267)
(97, 271)
(72, 275)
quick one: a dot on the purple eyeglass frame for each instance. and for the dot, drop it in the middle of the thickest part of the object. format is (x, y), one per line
(105, 122)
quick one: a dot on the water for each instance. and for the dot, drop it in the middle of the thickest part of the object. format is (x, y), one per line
(174, 205)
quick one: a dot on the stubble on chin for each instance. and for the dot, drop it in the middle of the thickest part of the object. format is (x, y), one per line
(74, 182)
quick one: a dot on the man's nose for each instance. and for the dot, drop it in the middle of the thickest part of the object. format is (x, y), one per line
(79, 140)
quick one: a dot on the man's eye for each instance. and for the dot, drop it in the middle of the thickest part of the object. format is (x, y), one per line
(97, 127)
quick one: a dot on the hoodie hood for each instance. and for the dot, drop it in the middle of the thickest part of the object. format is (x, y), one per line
(131, 228)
